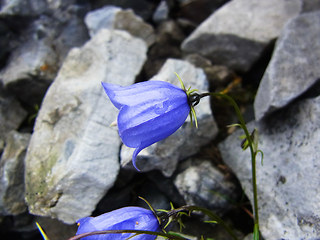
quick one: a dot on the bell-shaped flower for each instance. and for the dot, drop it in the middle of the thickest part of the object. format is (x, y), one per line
(127, 218)
(149, 112)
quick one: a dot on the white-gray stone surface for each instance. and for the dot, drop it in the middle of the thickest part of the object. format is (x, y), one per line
(162, 12)
(111, 17)
(12, 174)
(288, 182)
(33, 55)
(202, 184)
(187, 140)
(294, 67)
(26, 8)
(72, 159)
(237, 33)
(42, 47)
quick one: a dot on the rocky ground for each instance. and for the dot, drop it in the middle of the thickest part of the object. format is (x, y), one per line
(61, 160)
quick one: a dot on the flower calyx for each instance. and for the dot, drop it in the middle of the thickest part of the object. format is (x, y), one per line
(193, 100)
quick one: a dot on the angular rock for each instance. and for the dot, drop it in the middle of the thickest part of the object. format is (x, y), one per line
(33, 65)
(187, 140)
(161, 13)
(237, 33)
(201, 184)
(62, 11)
(288, 181)
(156, 198)
(197, 11)
(111, 17)
(12, 174)
(294, 66)
(5, 46)
(11, 113)
(310, 5)
(71, 31)
(166, 186)
(143, 8)
(31, 59)
(40, 50)
(26, 8)
(167, 45)
(72, 159)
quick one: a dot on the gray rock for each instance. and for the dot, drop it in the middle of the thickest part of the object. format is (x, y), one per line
(62, 10)
(237, 33)
(56, 230)
(310, 5)
(156, 198)
(111, 17)
(195, 12)
(248, 237)
(185, 142)
(12, 174)
(167, 45)
(143, 8)
(11, 113)
(35, 62)
(72, 159)
(293, 68)
(161, 13)
(26, 8)
(39, 46)
(166, 186)
(201, 184)
(101, 18)
(33, 65)
(288, 182)
(5, 46)
(73, 33)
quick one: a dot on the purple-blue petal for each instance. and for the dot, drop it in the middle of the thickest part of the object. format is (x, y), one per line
(149, 112)
(138, 92)
(128, 218)
(151, 122)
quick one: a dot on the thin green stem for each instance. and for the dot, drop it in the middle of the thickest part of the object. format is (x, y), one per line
(210, 214)
(253, 153)
(138, 232)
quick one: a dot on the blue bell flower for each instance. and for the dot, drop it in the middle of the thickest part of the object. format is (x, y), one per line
(127, 218)
(149, 112)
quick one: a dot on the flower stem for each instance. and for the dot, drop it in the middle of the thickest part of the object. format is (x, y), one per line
(137, 232)
(253, 155)
(212, 215)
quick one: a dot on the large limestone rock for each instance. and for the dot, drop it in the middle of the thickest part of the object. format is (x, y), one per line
(288, 181)
(237, 33)
(187, 140)
(72, 159)
(294, 67)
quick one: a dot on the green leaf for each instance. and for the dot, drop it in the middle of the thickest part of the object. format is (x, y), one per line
(256, 234)
(214, 222)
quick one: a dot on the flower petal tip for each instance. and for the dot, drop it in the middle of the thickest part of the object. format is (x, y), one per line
(134, 156)
(134, 164)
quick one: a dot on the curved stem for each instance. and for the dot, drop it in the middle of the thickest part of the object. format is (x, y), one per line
(253, 153)
(211, 215)
(138, 232)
